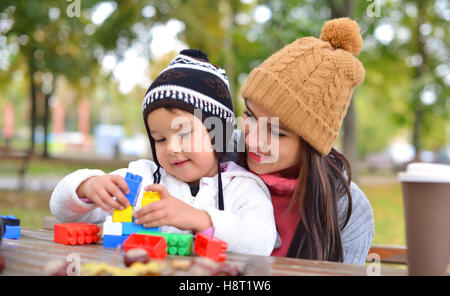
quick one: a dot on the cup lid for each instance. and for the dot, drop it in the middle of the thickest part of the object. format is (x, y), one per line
(426, 172)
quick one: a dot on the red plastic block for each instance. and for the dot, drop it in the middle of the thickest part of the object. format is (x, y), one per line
(210, 247)
(155, 246)
(76, 233)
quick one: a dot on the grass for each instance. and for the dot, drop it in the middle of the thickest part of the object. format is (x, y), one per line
(387, 205)
(30, 207)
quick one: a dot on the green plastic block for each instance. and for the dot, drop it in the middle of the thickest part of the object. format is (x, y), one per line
(177, 243)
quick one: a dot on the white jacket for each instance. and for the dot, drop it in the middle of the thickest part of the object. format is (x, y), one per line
(247, 224)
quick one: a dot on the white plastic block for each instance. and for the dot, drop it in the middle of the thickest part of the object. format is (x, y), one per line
(112, 228)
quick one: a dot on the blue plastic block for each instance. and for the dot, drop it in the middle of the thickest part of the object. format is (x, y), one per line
(12, 232)
(130, 228)
(134, 185)
(111, 241)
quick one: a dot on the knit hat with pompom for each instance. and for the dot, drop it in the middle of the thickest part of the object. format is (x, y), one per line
(308, 84)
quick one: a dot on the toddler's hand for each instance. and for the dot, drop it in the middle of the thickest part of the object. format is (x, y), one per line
(101, 190)
(171, 211)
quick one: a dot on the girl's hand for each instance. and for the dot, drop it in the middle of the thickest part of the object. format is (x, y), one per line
(101, 190)
(171, 211)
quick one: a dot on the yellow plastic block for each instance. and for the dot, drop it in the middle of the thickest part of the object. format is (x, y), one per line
(149, 197)
(125, 215)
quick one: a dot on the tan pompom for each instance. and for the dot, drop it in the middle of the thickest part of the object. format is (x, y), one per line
(342, 33)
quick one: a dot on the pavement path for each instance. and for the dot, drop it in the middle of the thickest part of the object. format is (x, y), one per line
(32, 183)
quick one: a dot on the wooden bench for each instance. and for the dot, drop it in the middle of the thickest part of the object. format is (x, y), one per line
(17, 161)
(390, 254)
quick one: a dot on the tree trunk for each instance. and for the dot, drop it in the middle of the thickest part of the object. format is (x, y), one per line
(228, 49)
(33, 111)
(416, 131)
(349, 137)
(46, 120)
(420, 71)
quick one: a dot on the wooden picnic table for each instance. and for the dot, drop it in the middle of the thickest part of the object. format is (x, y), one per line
(35, 248)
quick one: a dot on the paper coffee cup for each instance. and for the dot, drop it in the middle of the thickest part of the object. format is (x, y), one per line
(426, 197)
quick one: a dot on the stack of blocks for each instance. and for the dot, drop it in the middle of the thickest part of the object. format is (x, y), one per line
(118, 227)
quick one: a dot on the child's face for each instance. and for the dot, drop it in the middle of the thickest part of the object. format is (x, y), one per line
(182, 145)
(270, 148)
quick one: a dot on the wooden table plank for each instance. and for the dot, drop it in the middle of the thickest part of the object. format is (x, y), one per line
(35, 248)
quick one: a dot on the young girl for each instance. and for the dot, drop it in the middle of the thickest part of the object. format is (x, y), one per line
(319, 212)
(198, 191)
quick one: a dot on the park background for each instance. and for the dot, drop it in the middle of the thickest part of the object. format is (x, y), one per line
(73, 75)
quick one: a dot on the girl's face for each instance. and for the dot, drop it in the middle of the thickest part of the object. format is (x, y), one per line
(270, 147)
(182, 145)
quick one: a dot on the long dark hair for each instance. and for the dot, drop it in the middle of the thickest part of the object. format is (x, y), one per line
(322, 181)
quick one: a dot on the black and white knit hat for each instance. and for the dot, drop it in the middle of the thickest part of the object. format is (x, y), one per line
(190, 82)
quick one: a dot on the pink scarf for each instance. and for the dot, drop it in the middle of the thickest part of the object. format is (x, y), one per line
(281, 190)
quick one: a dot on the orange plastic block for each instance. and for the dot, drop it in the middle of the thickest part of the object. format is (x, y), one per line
(155, 246)
(76, 233)
(210, 247)
(149, 197)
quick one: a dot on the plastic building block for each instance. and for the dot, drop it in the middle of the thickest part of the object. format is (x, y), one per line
(134, 185)
(149, 197)
(112, 228)
(12, 232)
(12, 227)
(10, 220)
(125, 215)
(76, 233)
(154, 245)
(212, 248)
(112, 241)
(131, 227)
(177, 243)
(2, 231)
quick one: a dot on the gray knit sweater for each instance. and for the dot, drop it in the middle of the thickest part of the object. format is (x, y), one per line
(358, 234)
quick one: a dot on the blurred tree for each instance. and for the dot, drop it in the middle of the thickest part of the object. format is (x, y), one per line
(55, 40)
(48, 46)
(405, 53)
(406, 60)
